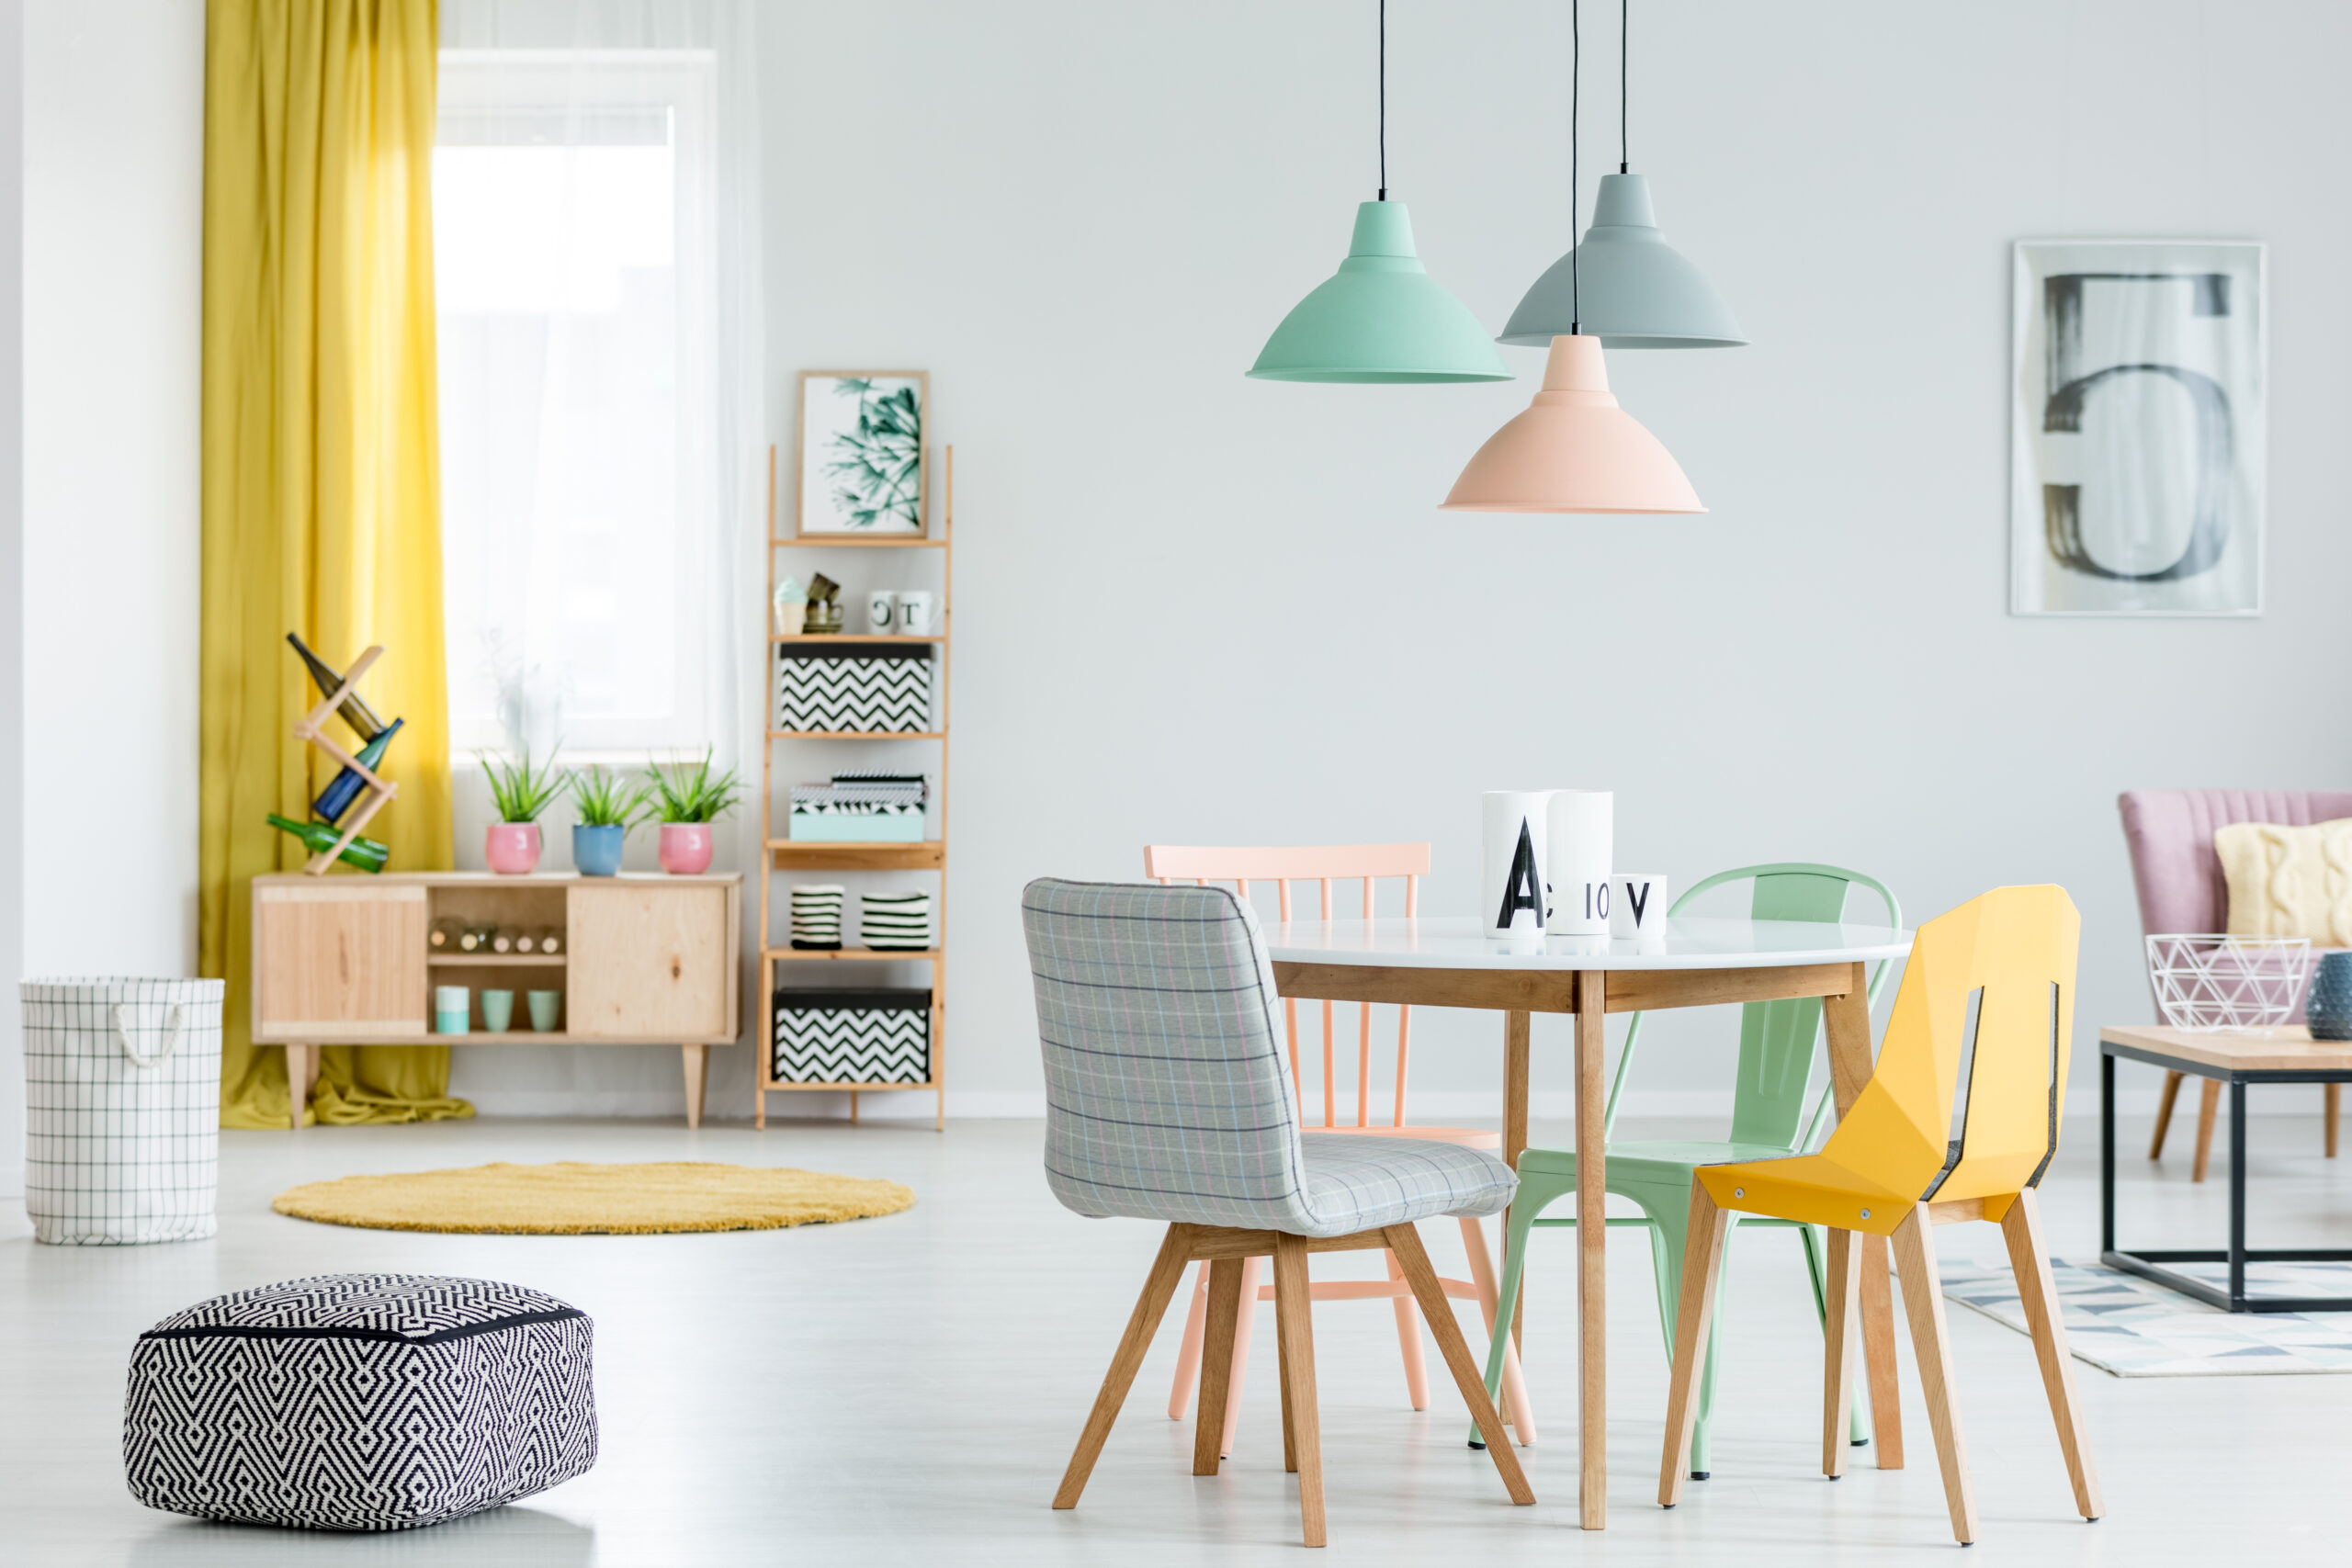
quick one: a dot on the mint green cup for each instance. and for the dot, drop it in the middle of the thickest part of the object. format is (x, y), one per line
(497, 1012)
(544, 1006)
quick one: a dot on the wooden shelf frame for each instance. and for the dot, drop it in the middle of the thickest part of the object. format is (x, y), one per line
(781, 855)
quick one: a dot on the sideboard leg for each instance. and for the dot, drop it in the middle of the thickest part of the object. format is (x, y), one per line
(759, 1109)
(301, 1078)
(697, 1070)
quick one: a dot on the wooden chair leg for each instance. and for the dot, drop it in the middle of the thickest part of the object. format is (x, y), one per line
(1294, 1320)
(1405, 1245)
(1158, 1290)
(1518, 1413)
(2335, 1104)
(1923, 1303)
(2164, 1114)
(1409, 1343)
(1878, 1355)
(1842, 1342)
(1188, 1353)
(2207, 1107)
(1216, 1363)
(2038, 1295)
(1243, 1326)
(1290, 1432)
(1702, 1245)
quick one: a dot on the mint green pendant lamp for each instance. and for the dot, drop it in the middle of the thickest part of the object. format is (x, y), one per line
(1381, 318)
(1637, 291)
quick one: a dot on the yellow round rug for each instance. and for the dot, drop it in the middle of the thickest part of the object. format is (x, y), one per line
(570, 1198)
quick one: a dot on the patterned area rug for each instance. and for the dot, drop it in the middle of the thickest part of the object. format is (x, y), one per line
(570, 1198)
(2135, 1328)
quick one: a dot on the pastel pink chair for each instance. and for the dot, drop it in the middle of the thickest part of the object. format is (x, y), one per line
(1323, 865)
(2178, 877)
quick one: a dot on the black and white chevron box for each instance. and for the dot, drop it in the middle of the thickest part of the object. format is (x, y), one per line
(853, 1036)
(873, 686)
(360, 1401)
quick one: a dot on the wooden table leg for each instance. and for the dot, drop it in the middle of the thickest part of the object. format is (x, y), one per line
(1517, 1029)
(1592, 1255)
(301, 1079)
(1846, 1020)
(697, 1074)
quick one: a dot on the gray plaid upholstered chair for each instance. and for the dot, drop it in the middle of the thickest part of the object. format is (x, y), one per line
(1167, 1099)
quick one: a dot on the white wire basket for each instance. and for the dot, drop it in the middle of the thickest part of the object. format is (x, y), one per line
(2207, 982)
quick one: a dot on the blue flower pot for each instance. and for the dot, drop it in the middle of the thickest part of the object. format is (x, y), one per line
(596, 852)
(2329, 1008)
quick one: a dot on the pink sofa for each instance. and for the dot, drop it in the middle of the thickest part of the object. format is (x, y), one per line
(2178, 877)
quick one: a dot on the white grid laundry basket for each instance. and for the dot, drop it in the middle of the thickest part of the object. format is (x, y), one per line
(122, 1109)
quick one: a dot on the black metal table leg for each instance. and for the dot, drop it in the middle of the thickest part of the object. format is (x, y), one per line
(2106, 1152)
(2237, 1195)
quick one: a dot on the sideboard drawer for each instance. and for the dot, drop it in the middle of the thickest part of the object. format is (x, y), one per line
(652, 960)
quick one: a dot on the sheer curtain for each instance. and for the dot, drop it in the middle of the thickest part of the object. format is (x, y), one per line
(596, 188)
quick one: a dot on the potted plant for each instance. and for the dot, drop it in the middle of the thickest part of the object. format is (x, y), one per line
(520, 791)
(688, 798)
(607, 804)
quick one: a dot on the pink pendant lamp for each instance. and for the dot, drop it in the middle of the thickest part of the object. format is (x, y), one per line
(1574, 449)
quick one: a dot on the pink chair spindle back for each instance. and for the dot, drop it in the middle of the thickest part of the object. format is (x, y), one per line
(1322, 865)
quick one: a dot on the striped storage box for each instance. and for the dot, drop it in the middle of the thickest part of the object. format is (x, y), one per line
(862, 686)
(844, 1036)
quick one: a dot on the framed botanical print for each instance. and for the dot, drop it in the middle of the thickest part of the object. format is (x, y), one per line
(2137, 428)
(861, 452)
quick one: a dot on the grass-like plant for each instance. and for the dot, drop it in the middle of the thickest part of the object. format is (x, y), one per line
(689, 792)
(605, 799)
(524, 789)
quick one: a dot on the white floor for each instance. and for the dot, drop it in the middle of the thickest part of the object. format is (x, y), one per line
(907, 1389)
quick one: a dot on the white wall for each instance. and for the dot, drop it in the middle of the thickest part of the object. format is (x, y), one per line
(112, 271)
(1193, 607)
(12, 586)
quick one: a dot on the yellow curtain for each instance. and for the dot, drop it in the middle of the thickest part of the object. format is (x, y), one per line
(322, 478)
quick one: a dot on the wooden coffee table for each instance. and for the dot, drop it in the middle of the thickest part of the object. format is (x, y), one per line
(2236, 1058)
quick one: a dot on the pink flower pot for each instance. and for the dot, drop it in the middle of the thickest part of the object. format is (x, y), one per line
(511, 848)
(685, 848)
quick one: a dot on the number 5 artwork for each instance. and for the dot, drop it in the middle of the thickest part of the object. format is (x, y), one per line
(2137, 428)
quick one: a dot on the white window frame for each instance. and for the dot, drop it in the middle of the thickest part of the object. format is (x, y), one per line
(683, 81)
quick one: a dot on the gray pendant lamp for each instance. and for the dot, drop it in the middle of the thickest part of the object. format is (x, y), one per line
(1381, 318)
(1638, 291)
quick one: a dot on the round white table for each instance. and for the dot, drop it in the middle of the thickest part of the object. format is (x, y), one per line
(1449, 962)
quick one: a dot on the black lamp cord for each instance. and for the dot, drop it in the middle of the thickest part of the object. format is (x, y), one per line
(1384, 100)
(1624, 53)
(1576, 84)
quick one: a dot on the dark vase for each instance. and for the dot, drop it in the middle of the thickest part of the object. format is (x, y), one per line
(2329, 1010)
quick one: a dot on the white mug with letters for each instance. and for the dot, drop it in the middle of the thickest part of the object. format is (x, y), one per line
(1637, 901)
(914, 612)
(1580, 826)
(880, 610)
(1510, 873)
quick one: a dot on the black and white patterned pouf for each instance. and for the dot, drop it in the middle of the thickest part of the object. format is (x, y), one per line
(359, 1401)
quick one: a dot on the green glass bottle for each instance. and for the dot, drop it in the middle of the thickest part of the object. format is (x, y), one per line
(364, 853)
(355, 713)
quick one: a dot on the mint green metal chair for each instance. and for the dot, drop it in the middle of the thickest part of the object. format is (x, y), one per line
(1778, 1047)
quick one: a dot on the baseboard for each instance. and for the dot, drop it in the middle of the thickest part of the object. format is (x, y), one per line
(1466, 1107)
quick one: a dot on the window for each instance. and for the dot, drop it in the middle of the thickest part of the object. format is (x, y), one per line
(584, 505)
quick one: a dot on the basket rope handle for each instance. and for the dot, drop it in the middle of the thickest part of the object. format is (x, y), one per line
(174, 1031)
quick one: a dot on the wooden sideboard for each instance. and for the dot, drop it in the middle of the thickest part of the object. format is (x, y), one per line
(646, 960)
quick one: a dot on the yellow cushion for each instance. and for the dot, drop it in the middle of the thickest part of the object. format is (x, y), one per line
(2288, 881)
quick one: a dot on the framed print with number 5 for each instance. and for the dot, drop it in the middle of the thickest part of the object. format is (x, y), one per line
(2139, 416)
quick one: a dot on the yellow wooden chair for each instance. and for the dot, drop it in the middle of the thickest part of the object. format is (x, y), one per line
(1984, 1018)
